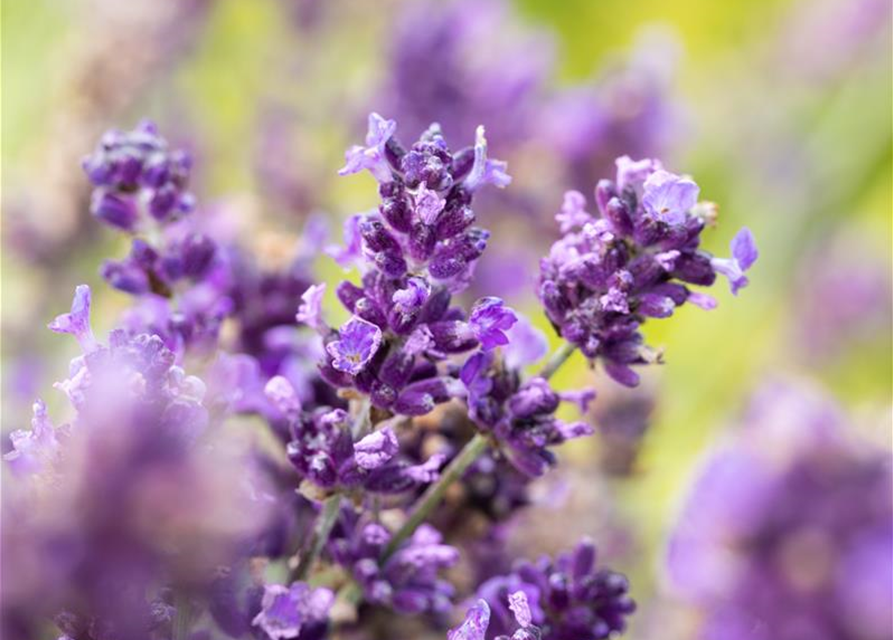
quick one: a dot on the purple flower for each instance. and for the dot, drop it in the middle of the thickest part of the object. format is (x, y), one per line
(352, 252)
(408, 581)
(486, 171)
(788, 528)
(358, 340)
(376, 449)
(489, 321)
(573, 212)
(371, 156)
(282, 394)
(77, 321)
(527, 344)
(565, 598)
(668, 197)
(744, 254)
(521, 608)
(474, 627)
(34, 450)
(136, 171)
(634, 172)
(286, 611)
(428, 205)
(310, 310)
(601, 282)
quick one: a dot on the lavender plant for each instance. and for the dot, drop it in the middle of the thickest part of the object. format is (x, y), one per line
(157, 513)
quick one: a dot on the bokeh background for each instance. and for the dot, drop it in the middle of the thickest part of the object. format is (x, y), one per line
(781, 109)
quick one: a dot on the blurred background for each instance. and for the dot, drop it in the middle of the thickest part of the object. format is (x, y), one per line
(780, 109)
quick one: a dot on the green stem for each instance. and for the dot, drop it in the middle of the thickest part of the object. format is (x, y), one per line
(184, 617)
(324, 523)
(557, 359)
(435, 493)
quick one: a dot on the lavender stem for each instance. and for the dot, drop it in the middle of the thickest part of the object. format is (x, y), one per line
(435, 493)
(557, 359)
(324, 524)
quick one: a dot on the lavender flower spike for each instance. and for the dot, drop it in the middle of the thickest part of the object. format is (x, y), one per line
(77, 321)
(372, 156)
(310, 310)
(744, 254)
(286, 611)
(358, 340)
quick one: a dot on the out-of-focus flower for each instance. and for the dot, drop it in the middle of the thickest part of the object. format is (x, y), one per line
(607, 275)
(127, 500)
(788, 530)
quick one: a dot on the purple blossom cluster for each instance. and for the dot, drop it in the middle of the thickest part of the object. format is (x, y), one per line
(567, 598)
(636, 260)
(416, 251)
(306, 479)
(788, 530)
(408, 580)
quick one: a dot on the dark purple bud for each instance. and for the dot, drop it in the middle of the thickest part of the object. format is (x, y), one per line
(421, 397)
(463, 161)
(452, 336)
(377, 237)
(604, 191)
(391, 264)
(397, 213)
(114, 210)
(197, 252)
(422, 240)
(349, 294)
(617, 213)
(453, 221)
(125, 276)
(695, 268)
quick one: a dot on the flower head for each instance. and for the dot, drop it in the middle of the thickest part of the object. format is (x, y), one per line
(605, 277)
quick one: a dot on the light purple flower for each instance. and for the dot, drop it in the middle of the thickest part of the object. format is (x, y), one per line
(376, 449)
(283, 396)
(634, 172)
(477, 620)
(573, 212)
(77, 321)
(411, 299)
(580, 397)
(352, 251)
(527, 344)
(486, 171)
(428, 471)
(35, 449)
(428, 205)
(668, 197)
(372, 156)
(521, 608)
(358, 341)
(744, 254)
(284, 611)
(310, 310)
(489, 321)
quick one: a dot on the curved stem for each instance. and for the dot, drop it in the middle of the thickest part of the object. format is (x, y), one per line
(324, 523)
(435, 493)
(553, 364)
